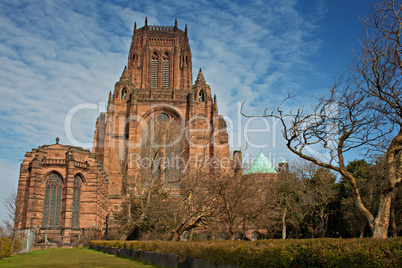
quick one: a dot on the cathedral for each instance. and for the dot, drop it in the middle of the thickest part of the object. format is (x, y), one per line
(156, 120)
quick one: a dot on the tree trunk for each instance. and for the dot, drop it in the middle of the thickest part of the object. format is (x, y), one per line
(284, 223)
(381, 222)
(393, 221)
(190, 235)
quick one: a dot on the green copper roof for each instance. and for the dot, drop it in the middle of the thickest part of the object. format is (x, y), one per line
(261, 165)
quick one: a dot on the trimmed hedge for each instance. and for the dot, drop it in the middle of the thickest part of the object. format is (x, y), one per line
(5, 247)
(326, 252)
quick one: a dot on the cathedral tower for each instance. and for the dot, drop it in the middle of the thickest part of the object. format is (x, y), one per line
(158, 123)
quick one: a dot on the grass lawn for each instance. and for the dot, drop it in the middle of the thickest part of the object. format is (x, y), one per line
(69, 257)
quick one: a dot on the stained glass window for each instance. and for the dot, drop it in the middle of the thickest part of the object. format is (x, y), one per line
(51, 209)
(76, 201)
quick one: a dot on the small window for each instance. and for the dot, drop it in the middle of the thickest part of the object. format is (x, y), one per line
(201, 96)
(124, 94)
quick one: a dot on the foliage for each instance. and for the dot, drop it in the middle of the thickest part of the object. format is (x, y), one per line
(281, 253)
(5, 247)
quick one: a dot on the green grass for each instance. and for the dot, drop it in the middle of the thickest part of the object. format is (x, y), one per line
(69, 257)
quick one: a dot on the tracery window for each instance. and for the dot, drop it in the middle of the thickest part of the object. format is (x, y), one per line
(76, 201)
(51, 209)
(154, 70)
(165, 70)
(161, 151)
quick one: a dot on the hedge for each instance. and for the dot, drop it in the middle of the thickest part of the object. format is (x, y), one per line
(326, 252)
(5, 247)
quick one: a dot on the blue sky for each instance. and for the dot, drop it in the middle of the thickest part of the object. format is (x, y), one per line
(57, 54)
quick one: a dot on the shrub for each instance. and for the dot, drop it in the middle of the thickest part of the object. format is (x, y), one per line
(281, 253)
(5, 247)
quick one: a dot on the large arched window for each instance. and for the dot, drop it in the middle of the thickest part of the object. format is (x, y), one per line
(76, 201)
(165, 70)
(154, 70)
(51, 208)
(162, 151)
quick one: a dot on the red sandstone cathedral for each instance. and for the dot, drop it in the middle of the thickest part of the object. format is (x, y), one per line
(155, 112)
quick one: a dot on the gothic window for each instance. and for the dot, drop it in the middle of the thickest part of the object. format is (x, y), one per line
(124, 94)
(165, 70)
(76, 201)
(154, 70)
(201, 96)
(161, 151)
(51, 209)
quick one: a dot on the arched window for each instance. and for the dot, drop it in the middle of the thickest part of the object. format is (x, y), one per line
(123, 93)
(201, 96)
(51, 208)
(165, 70)
(76, 201)
(161, 151)
(154, 70)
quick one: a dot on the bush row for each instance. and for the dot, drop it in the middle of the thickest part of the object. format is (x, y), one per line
(5, 247)
(281, 253)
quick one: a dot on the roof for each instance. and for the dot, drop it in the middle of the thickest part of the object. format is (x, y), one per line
(261, 165)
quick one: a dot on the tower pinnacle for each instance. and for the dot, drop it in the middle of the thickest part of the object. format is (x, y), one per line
(200, 78)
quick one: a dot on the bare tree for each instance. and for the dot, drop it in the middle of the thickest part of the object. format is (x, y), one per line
(12, 219)
(198, 202)
(320, 187)
(377, 70)
(243, 199)
(292, 200)
(148, 202)
(358, 113)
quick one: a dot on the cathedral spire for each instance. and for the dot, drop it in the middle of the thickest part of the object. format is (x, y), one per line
(200, 78)
(135, 27)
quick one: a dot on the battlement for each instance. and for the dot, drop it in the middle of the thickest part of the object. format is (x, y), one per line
(161, 28)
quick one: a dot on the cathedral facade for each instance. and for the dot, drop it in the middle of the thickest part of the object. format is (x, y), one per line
(157, 123)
